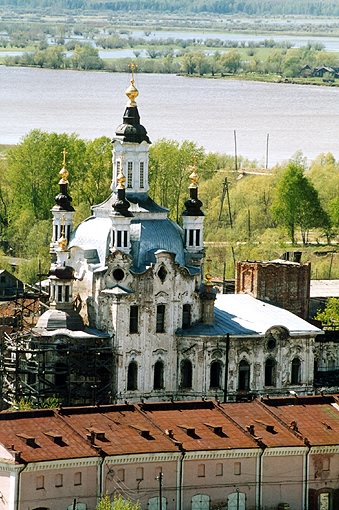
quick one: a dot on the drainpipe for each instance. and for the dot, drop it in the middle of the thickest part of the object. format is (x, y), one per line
(259, 471)
(18, 487)
(180, 478)
(305, 477)
(100, 478)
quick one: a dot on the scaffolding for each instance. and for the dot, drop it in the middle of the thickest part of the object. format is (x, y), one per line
(63, 368)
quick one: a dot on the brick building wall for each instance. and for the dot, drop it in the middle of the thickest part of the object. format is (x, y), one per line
(281, 283)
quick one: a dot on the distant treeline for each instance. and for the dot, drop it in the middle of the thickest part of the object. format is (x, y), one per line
(249, 7)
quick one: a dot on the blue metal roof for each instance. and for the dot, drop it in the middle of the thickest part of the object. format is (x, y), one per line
(93, 234)
(149, 236)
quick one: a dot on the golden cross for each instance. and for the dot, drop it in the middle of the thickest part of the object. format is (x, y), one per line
(64, 152)
(132, 67)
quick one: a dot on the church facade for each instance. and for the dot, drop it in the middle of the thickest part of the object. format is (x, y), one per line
(133, 314)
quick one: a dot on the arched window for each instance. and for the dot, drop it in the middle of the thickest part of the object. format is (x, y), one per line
(244, 376)
(270, 372)
(133, 319)
(296, 371)
(160, 320)
(158, 382)
(215, 374)
(132, 376)
(186, 374)
(186, 316)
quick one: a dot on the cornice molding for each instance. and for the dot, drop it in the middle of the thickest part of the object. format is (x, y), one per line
(142, 458)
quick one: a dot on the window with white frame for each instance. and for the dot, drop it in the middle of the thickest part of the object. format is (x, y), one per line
(141, 174)
(130, 174)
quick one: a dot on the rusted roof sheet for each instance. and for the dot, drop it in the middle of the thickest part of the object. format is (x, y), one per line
(315, 418)
(125, 429)
(89, 432)
(27, 432)
(253, 417)
(198, 426)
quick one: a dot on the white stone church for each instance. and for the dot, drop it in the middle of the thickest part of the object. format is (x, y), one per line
(133, 316)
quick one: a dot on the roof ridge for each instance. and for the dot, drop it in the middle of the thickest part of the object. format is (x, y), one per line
(241, 428)
(282, 422)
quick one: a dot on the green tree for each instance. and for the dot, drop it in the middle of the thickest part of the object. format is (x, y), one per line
(329, 317)
(170, 166)
(275, 62)
(324, 174)
(188, 62)
(86, 57)
(33, 167)
(201, 63)
(231, 61)
(98, 172)
(296, 203)
(118, 503)
(32, 176)
(54, 57)
(293, 63)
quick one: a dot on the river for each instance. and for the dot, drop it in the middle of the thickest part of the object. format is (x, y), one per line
(209, 112)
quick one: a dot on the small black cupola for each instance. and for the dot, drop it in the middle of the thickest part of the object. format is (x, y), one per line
(62, 211)
(193, 224)
(131, 130)
(121, 205)
(193, 204)
(63, 199)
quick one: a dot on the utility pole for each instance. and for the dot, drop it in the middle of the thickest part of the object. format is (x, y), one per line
(225, 192)
(267, 140)
(235, 151)
(226, 367)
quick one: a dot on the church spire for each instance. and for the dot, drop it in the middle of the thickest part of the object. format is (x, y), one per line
(193, 204)
(131, 130)
(193, 221)
(121, 216)
(63, 211)
(61, 275)
(63, 199)
(132, 92)
(131, 143)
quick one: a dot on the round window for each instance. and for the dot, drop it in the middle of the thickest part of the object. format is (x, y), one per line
(118, 274)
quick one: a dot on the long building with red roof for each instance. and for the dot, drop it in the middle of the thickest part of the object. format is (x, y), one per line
(196, 454)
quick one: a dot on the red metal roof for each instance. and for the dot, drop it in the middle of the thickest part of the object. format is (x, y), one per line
(125, 429)
(315, 418)
(27, 432)
(259, 422)
(198, 426)
(67, 433)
